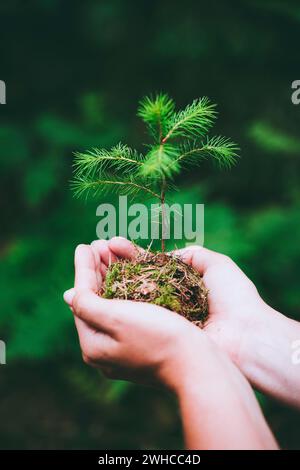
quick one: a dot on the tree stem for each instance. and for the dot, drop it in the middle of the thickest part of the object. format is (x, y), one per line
(163, 221)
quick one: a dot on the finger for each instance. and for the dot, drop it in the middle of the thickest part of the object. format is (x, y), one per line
(85, 270)
(86, 334)
(103, 256)
(199, 258)
(103, 270)
(68, 296)
(101, 248)
(123, 248)
(98, 265)
(108, 315)
(95, 346)
(99, 313)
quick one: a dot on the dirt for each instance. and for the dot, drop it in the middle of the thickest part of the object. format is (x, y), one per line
(160, 279)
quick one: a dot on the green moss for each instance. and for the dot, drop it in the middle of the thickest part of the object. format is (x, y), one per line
(167, 298)
(159, 279)
(113, 277)
(132, 269)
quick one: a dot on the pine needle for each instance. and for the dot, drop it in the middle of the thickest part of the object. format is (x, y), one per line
(221, 149)
(160, 162)
(179, 140)
(119, 159)
(85, 186)
(156, 112)
(194, 120)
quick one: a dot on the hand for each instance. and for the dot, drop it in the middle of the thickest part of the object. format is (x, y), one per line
(142, 342)
(235, 306)
(257, 338)
(127, 340)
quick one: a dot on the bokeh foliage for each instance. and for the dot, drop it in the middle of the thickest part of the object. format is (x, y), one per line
(74, 73)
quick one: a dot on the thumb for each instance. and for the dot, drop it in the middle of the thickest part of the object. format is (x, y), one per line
(69, 296)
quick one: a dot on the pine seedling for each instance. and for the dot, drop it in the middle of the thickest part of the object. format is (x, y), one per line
(179, 140)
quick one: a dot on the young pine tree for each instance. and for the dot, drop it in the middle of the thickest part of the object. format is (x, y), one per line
(179, 139)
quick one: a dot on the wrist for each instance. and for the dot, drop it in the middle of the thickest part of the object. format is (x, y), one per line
(265, 355)
(190, 361)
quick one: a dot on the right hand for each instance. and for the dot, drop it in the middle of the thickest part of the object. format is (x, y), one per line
(257, 338)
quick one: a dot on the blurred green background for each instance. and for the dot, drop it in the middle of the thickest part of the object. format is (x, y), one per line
(74, 72)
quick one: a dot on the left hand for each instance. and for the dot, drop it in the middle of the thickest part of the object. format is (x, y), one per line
(125, 339)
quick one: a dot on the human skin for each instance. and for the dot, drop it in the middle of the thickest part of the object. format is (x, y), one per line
(257, 338)
(218, 407)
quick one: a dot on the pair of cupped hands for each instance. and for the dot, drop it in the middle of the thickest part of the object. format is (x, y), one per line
(145, 343)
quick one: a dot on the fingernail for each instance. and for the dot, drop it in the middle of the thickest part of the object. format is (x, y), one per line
(79, 250)
(100, 240)
(79, 247)
(69, 295)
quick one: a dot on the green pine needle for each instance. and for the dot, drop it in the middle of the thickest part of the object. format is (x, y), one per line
(193, 121)
(119, 159)
(156, 112)
(223, 150)
(160, 163)
(86, 186)
(220, 149)
(128, 172)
